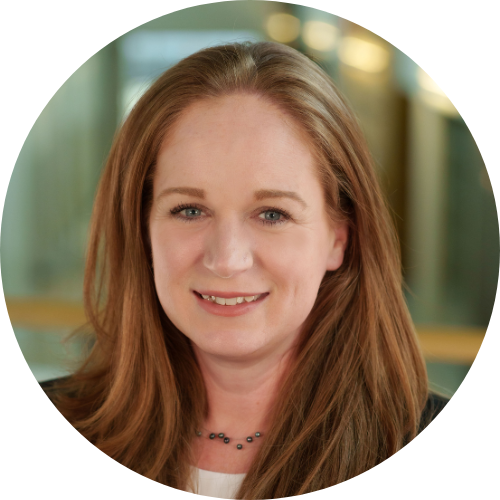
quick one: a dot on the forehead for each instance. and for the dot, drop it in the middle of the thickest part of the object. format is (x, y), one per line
(233, 136)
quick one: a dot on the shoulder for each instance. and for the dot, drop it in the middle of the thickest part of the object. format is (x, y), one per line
(51, 384)
(54, 386)
(433, 407)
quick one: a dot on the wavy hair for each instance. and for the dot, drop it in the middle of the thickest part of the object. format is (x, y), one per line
(356, 390)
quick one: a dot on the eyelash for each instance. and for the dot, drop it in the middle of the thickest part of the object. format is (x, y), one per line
(179, 208)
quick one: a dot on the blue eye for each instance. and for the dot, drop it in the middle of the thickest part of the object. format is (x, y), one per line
(272, 215)
(187, 213)
(191, 212)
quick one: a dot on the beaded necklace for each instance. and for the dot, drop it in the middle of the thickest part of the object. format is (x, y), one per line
(221, 435)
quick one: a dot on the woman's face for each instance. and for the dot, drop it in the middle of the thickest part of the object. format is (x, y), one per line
(238, 214)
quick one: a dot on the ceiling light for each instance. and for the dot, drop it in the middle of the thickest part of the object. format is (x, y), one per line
(283, 28)
(319, 35)
(364, 55)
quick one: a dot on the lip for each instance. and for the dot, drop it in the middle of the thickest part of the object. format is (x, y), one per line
(228, 311)
(226, 295)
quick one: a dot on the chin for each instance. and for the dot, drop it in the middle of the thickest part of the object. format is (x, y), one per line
(235, 344)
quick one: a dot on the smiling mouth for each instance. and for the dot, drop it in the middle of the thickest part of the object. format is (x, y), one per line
(233, 301)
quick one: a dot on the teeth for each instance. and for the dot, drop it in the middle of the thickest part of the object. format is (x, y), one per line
(231, 302)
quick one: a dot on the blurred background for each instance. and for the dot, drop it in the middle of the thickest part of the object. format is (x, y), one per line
(428, 164)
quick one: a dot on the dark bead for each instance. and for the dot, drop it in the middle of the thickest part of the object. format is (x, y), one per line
(239, 446)
(221, 435)
(226, 440)
(249, 439)
(257, 434)
(198, 433)
(211, 435)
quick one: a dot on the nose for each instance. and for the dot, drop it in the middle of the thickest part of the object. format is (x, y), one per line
(228, 250)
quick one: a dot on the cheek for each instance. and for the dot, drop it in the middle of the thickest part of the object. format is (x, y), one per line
(174, 258)
(174, 253)
(296, 256)
(297, 263)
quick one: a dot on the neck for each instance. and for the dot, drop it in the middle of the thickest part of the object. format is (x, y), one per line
(241, 394)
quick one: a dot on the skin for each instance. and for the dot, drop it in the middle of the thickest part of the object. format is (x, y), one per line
(231, 148)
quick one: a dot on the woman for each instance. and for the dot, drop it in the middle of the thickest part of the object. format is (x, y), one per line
(244, 286)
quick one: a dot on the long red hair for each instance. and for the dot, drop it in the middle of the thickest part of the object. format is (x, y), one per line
(355, 393)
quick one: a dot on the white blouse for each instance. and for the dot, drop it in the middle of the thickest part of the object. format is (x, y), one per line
(216, 484)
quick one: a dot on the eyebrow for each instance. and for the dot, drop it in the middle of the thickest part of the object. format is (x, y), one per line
(261, 194)
(197, 193)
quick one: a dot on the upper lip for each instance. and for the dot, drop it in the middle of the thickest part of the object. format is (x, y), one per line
(227, 295)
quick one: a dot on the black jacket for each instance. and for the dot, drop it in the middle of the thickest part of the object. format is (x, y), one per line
(435, 403)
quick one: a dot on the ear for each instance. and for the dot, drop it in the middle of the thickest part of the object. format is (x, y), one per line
(339, 236)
